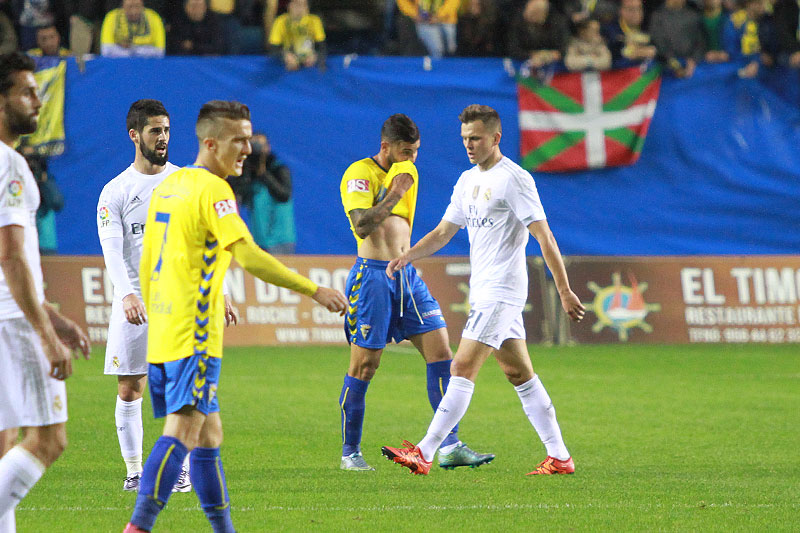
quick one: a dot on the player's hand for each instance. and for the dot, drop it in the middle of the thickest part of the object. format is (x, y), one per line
(134, 309)
(333, 300)
(291, 61)
(231, 312)
(310, 60)
(396, 265)
(68, 332)
(572, 305)
(401, 183)
(58, 354)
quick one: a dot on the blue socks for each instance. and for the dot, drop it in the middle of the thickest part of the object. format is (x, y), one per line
(208, 480)
(438, 378)
(352, 403)
(163, 467)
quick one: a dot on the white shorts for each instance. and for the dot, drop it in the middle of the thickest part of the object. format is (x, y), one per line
(29, 397)
(493, 322)
(126, 349)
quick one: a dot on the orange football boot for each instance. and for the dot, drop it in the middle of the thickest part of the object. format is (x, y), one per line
(551, 465)
(409, 457)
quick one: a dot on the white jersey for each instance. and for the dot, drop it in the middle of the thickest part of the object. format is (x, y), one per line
(496, 206)
(122, 212)
(19, 200)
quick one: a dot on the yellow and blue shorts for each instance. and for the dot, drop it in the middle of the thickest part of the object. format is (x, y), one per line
(189, 381)
(381, 309)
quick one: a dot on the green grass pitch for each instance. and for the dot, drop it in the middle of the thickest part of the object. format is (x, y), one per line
(665, 438)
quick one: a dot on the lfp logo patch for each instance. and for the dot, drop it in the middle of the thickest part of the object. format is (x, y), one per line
(620, 307)
(15, 188)
(104, 216)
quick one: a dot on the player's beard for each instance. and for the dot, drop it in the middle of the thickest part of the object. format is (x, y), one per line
(19, 123)
(153, 157)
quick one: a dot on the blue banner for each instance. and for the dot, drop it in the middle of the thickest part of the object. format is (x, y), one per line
(719, 172)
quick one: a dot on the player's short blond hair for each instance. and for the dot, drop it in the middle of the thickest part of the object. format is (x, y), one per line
(484, 113)
(210, 119)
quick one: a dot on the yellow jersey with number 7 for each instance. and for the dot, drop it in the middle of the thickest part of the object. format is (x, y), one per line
(192, 220)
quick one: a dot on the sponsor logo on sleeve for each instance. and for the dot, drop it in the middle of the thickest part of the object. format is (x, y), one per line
(15, 188)
(14, 198)
(225, 207)
(104, 216)
(358, 186)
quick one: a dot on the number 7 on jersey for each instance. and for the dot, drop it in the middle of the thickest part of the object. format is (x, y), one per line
(164, 219)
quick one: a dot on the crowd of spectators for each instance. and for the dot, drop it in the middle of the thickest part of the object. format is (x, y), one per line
(578, 34)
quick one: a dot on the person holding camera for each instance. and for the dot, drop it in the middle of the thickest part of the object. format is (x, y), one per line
(265, 189)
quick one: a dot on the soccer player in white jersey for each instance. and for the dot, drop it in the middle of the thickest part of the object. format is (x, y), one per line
(35, 339)
(121, 215)
(497, 202)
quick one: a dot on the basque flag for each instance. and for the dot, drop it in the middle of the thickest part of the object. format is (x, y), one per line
(583, 120)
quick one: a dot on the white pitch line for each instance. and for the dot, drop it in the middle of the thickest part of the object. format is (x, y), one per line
(476, 507)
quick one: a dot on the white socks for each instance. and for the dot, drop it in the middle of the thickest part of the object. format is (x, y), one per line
(540, 411)
(451, 409)
(128, 416)
(19, 471)
(8, 523)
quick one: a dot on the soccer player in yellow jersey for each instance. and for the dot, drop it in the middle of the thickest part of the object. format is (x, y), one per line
(193, 230)
(379, 195)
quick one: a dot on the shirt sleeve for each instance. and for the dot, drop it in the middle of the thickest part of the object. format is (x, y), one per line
(317, 30)
(523, 199)
(454, 213)
(357, 189)
(12, 195)
(107, 29)
(115, 264)
(109, 214)
(276, 34)
(221, 215)
(159, 34)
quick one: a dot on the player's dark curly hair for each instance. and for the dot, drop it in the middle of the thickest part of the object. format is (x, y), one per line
(484, 113)
(9, 64)
(216, 109)
(141, 110)
(399, 128)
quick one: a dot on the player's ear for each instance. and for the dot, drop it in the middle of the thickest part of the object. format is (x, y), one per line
(497, 136)
(210, 143)
(134, 135)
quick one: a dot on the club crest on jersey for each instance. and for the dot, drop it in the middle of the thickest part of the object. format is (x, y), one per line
(487, 194)
(57, 403)
(115, 362)
(358, 185)
(475, 191)
(365, 330)
(225, 207)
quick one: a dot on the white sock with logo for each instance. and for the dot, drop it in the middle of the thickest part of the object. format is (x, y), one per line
(540, 411)
(130, 433)
(451, 410)
(19, 471)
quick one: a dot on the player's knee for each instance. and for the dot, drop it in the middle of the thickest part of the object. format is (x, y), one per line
(462, 369)
(128, 394)
(47, 446)
(516, 376)
(365, 369)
